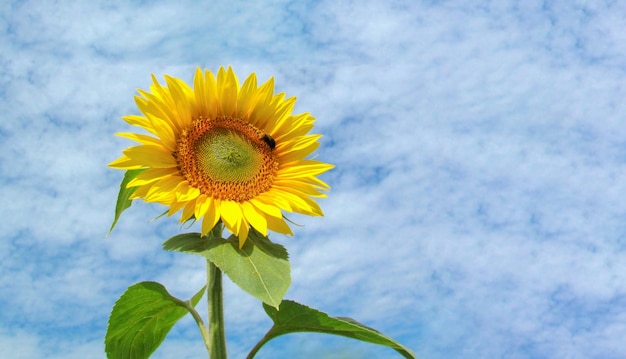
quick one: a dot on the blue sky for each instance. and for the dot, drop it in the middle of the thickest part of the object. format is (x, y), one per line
(476, 208)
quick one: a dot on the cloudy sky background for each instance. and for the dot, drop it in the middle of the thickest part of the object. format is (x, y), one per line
(477, 208)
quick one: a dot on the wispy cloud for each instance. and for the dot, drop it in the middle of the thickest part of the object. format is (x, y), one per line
(476, 205)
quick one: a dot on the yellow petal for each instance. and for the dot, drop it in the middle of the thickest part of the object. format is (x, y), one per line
(256, 219)
(140, 121)
(230, 212)
(299, 188)
(202, 205)
(293, 126)
(247, 97)
(211, 95)
(140, 192)
(189, 210)
(150, 156)
(163, 190)
(299, 204)
(270, 197)
(151, 175)
(283, 111)
(200, 92)
(243, 232)
(266, 206)
(211, 216)
(306, 168)
(164, 130)
(278, 225)
(125, 163)
(258, 116)
(227, 85)
(185, 192)
(298, 151)
(181, 94)
(156, 107)
(175, 207)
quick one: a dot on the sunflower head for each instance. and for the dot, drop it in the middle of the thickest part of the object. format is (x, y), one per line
(221, 151)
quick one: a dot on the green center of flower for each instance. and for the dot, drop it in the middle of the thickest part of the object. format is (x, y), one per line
(226, 158)
(226, 155)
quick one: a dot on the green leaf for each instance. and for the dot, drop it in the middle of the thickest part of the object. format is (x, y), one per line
(141, 318)
(261, 267)
(123, 198)
(192, 243)
(292, 317)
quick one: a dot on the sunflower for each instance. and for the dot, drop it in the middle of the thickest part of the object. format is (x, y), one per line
(222, 151)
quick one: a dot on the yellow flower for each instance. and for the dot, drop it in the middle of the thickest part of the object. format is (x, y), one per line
(224, 151)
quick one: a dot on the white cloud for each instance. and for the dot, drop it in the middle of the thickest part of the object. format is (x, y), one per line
(476, 205)
(19, 344)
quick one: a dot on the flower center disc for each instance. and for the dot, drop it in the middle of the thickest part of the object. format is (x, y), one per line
(226, 158)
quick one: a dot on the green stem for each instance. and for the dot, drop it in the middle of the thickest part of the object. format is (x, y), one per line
(217, 338)
(203, 330)
(258, 345)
